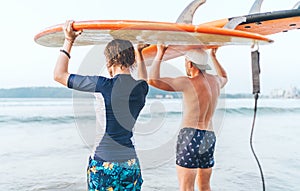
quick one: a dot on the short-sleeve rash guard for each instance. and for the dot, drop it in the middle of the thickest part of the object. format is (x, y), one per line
(123, 98)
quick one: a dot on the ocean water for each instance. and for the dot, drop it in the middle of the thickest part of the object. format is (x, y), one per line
(45, 144)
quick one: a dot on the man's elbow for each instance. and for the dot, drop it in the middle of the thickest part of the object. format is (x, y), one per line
(155, 83)
(152, 82)
(160, 84)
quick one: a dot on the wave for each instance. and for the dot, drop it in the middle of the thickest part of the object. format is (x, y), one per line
(160, 114)
(237, 110)
(67, 119)
(43, 119)
(260, 110)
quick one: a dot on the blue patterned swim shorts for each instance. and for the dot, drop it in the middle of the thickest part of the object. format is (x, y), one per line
(195, 148)
(114, 176)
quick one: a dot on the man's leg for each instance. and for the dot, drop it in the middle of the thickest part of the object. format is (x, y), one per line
(203, 179)
(186, 178)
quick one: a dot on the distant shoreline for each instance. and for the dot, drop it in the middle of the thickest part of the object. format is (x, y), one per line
(62, 92)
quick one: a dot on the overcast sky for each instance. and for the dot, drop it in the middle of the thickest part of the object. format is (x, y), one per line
(25, 63)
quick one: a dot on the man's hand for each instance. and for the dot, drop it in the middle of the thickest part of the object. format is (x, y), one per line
(142, 71)
(213, 52)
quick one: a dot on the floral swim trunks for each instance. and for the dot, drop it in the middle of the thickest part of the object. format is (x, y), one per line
(195, 148)
(114, 176)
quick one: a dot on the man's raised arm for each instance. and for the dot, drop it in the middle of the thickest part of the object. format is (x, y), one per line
(219, 69)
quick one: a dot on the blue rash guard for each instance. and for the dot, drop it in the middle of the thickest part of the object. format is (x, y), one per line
(123, 98)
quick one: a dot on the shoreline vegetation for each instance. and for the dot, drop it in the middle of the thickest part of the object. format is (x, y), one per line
(62, 92)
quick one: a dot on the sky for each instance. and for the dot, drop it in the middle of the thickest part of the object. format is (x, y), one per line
(27, 64)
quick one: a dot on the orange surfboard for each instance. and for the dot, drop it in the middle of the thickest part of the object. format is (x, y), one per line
(179, 37)
(267, 23)
(103, 31)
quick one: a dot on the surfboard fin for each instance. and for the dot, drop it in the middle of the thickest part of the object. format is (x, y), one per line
(234, 22)
(297, 5)
(187, 14)
(256, 7)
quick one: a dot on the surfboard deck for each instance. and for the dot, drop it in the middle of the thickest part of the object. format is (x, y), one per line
(103, 31)
(267, 23)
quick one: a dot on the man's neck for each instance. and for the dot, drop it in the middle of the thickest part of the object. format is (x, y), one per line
(196, 73)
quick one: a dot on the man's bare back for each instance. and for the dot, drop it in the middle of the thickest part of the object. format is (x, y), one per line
(200, 99)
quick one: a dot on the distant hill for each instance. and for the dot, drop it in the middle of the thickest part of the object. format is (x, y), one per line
(36, 92)
(62, 92)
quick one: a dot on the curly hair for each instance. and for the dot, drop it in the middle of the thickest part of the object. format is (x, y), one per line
(119, 52)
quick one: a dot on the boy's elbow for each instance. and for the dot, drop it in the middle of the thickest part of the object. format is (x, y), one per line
(56, 76)
(224, 82)
(60, 78)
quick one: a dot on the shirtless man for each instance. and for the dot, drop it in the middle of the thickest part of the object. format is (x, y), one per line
(196, 139)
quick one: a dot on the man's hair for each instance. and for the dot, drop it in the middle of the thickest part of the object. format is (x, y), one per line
(119, 52)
